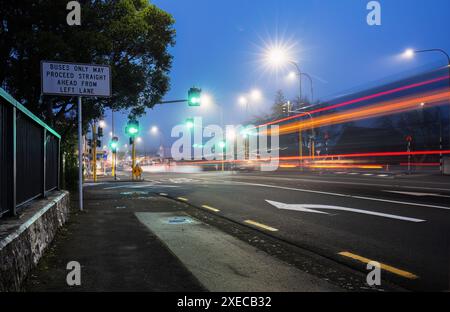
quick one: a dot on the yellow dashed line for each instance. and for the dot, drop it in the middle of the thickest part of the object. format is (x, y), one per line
(210, 208)
(383, 266)
(182, 199)
(260, 225)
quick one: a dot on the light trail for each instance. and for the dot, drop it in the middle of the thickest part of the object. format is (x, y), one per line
(375, 110)
(361, 99)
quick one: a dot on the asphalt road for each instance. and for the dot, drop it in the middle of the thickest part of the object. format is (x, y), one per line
(401, 222)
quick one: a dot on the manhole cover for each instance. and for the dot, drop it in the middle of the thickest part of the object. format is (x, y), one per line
(134, 193)
(180, 220)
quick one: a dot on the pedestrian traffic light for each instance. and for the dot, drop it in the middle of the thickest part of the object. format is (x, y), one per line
(132, 128)
(190, 123)
(131, 140)
(100, 132)
(194, 96)
(99, 143)
(114, 144)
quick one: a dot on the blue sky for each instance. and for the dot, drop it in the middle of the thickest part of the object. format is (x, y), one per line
(219, 46)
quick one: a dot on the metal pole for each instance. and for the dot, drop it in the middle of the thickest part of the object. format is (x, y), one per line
(80, 153)
(94, 151)
(133, 161)
(14, 162)
(114, 158)
(44, 161)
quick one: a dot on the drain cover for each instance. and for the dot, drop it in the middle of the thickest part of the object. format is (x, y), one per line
(134, 193)
(180, 220)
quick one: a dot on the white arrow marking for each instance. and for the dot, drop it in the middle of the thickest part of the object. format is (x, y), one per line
(418, 194)
(311, 208)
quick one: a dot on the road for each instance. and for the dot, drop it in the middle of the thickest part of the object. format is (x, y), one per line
(400, 222)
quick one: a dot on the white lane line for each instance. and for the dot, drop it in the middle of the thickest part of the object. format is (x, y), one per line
(418, 194)
(357, 183)
(344, 195)
(311, 209)
(140, 186)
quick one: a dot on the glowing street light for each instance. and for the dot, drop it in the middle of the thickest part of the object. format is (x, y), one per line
(138, 140)
(243, 100)
(154, 130)
(292, 75)
(102, 124)
(277, 56)
(256, 95)
(409, 53)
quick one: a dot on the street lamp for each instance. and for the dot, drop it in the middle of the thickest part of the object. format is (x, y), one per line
(154, 130)
(410, 53)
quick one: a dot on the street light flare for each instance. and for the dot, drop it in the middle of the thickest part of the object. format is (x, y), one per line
(256, 95)
(409, 53)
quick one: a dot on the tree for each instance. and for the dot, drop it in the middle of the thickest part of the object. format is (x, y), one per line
(132, 36)
(278, 108)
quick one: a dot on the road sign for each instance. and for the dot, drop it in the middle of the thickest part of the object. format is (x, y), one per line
(81, 80)
(75, 79)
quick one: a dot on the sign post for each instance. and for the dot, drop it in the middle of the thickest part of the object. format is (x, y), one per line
(80, 80)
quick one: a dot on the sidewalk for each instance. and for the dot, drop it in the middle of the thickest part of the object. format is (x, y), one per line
(116, 252)
(132, 240)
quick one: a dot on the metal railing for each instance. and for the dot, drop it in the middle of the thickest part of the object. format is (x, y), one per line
(29, 156)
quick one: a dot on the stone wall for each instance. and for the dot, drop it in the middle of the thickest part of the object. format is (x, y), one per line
(24, 239)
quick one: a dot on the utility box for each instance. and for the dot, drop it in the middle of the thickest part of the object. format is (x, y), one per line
(446, 165)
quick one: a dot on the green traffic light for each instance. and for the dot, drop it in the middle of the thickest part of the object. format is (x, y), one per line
(194, 97)
(190, 123)
(132, 128)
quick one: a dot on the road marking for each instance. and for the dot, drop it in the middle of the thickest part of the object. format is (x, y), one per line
(417, 194)
(139, 186)
(344, 195)
(346, 183)
(260, 225)
(210, 208)
(163, 194)
(368, 174)
(385, 267)
(311, 208)
(383, 175)
(183, 199)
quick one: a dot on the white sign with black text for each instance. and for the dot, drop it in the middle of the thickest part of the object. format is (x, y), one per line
(73, 79)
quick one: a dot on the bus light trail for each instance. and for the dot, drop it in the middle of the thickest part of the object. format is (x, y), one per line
(358, 100)
(376, 110)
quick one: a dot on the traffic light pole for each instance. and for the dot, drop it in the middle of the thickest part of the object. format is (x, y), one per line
(94, 151)
(80, 154)
(133, 160)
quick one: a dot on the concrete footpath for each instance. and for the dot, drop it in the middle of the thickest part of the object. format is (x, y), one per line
(135, 240)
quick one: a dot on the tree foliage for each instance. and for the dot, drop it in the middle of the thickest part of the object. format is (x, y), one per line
(132, 36)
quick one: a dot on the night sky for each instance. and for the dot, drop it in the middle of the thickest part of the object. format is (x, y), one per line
(220, 45)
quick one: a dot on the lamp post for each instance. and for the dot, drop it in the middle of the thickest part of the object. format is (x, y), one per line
(410, 54)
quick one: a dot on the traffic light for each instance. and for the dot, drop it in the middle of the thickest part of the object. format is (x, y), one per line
(132, 128)
(194, 96)
(100, 132)
(131, 140)
(114, 144)
(99, 143)
(190, 123)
